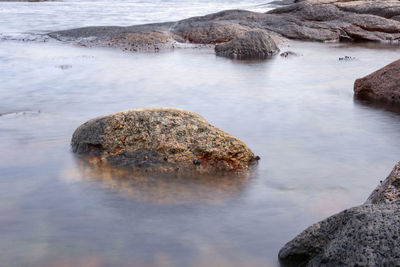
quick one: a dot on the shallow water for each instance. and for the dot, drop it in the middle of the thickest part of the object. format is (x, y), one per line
(321, 151)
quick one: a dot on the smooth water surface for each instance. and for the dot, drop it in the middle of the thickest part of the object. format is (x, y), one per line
(321, 151)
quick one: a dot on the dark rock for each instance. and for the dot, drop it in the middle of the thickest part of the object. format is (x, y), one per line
(347, 58)
(207, 32)
(366, 235)
(160, 139)
(250, 44)
(382, 85)
(362, 236)
(288, 54)
(312, 20)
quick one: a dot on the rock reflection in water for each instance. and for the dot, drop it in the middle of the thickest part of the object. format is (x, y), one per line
(162, 188)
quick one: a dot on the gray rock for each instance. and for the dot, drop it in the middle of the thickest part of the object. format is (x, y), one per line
(160, 139)
(381, 85)
(250, 44)
(367, 235)
(312, 20)
(207, 32)
(389, 190)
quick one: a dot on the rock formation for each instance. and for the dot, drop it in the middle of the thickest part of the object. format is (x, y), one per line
(312, 20)
(250, 44)
(160, 139)
(367, 235)
(382, 85)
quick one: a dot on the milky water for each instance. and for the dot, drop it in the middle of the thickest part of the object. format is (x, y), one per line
(321, 151)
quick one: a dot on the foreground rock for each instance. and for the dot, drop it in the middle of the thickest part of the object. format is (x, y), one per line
(160, 139)
(312, 20)
(367, 235)
(382, 85)
(250, 44)
(389, 190)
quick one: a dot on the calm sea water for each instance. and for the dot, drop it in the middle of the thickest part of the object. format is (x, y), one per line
(321, 151)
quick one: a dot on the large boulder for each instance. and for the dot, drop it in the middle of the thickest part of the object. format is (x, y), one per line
(207, 32)
(367, 235)
(160, 139)
(382, 85)
(250, 44)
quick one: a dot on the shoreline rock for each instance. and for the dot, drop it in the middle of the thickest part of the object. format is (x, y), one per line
(256, 44)
(311, 20)
(367, 235)
(381, 85)
(161, 140)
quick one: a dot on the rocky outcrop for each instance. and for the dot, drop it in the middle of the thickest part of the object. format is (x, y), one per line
(389, 190)
(160, 139)
(382, 85)
(146, 38)
(207, 32)
(367, 235)
(312, 20)
(250, 44)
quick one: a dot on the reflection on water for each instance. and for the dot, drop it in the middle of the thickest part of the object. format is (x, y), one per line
(320, 150)
(178, 188)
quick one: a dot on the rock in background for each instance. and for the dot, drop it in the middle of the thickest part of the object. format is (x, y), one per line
(382, 85)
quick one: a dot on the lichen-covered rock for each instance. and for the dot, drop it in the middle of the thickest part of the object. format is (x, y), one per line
(250, 44)
(389, 190)
(381, 85)
(160, 139)
(367, 235)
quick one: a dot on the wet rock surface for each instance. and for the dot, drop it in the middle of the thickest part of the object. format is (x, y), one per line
(248, 45)
(367, 235)
(381, 85)
(160, 139)
(312, 20)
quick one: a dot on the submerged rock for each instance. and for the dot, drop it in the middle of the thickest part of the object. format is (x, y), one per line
(382, 85)
(160, 139)
(289, 54)
(367, 235)
(250, 44)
